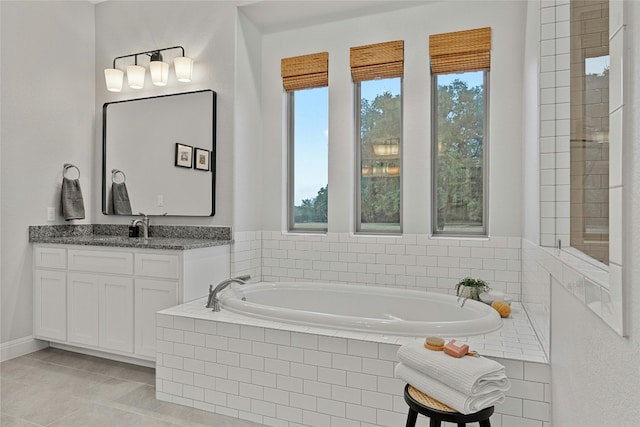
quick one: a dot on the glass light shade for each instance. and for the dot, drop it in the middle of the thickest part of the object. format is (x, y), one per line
(113, 79)
(184, 68)
(385, 149)
(159, 72)
(135, 76)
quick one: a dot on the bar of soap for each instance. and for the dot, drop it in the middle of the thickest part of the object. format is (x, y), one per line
(456, 350)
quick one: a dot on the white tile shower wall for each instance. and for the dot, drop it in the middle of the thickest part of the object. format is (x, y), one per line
(286, 379)
(536, 291)
(554, 122)
(410, 261)
(246, 254)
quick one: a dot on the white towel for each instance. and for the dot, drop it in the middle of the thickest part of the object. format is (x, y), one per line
(469, 375)
(459, 401)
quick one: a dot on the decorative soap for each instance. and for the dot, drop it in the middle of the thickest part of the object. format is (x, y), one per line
(456, 350)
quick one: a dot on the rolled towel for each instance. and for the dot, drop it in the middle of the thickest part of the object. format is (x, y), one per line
(461, 402)
(72, 203)
(469, 375)
(120, 199)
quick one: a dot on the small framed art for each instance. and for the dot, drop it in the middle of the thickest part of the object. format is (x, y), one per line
(184, 155)
(202, 159)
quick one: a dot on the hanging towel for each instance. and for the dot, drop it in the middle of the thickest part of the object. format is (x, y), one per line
(72, 204)
(120, 199)
(469, 375)
(461, 402)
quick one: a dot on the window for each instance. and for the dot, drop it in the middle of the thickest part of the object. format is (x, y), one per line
(459, 153)
(377, 72)
(460, 65)
(589, 135)
(305, 78)
(308, 159)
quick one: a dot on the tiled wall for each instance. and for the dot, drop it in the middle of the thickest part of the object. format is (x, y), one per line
(554, 122)
(282, 378)
(410, 261)
(246, 254)
(604, 293)
(536, 291)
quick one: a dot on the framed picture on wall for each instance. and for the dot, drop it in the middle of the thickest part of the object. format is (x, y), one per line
(202, 159)
(184, 155)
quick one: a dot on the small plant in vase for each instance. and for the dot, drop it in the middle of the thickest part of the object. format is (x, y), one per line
(470, 288)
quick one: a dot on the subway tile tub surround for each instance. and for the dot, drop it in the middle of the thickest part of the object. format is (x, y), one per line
(287, 375)
(411, 260)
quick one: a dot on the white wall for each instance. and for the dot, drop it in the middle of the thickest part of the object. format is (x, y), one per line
(207, 31)
(47, 120)
(247, 131)
(412, 25)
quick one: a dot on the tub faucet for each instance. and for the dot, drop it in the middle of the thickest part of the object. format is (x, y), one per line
(144, 221)
(212, 301)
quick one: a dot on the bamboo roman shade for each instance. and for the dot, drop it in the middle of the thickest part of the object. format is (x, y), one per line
(460, 51)
(305, 72)
(377, 61)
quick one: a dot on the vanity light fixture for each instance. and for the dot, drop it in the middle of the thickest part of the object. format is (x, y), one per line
(158, 68)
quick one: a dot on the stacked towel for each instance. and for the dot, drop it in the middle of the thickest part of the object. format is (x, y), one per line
(467, 384)
(120, 199)
(72, 203)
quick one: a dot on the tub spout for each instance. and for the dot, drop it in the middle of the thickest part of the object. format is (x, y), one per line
(212, 301)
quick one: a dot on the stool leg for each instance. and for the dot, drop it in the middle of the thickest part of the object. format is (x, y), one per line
(412, 416)
(485, 423)
(462, 424)
(434, 423)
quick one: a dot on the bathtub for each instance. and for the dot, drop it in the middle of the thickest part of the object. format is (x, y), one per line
(378, 310)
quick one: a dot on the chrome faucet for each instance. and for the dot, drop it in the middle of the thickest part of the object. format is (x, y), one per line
(144, 221)
(212, 301)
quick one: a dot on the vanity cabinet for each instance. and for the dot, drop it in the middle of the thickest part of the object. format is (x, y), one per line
(105, 299)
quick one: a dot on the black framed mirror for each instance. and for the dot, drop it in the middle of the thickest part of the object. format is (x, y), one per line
(158, 155)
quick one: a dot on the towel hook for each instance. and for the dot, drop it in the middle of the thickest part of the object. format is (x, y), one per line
(115, 172)
(68, 166)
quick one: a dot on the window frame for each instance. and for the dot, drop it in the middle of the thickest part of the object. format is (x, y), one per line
(485, 161)
(358, 164)
(291, 228)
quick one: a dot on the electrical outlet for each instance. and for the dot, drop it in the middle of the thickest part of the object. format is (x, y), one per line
(51, 214)
(160, 200)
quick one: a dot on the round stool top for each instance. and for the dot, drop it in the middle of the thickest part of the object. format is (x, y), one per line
(428, 401)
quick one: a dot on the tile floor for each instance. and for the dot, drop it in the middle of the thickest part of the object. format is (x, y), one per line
(58, 388)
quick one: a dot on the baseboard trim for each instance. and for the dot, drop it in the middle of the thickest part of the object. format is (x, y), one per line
(105, 355)
(16, 348)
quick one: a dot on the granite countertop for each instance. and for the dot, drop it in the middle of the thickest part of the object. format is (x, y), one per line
(160, 237)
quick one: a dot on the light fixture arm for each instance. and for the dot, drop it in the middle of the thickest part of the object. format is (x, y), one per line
(148, 52)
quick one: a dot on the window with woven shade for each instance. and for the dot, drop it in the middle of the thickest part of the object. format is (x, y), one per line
(460, 51)
(305, 72)
(306, 79)
(460, 64)
(377, 72)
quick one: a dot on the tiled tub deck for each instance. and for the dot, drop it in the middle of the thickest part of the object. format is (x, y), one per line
(287, 375)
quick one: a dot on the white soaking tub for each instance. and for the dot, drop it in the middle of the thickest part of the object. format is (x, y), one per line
(374, 309)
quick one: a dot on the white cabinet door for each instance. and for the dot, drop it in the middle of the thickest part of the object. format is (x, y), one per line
(151, 296)
(116, 313)
(50, 305)
(83, 302)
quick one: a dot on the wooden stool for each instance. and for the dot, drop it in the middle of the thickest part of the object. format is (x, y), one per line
(437, 412)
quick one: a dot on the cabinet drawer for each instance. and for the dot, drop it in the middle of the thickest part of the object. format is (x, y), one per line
(101, 261)
(157, 265)
(50, 257)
